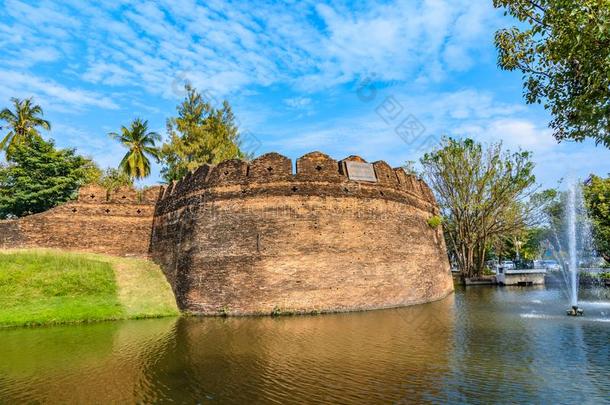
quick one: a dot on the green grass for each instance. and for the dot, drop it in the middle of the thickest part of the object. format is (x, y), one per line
(39, 287)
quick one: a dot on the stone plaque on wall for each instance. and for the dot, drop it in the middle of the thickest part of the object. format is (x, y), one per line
(360, 171)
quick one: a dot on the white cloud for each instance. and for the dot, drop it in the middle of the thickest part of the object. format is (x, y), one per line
(110, 74)
(520, 133)
(100, 55)
(465, 113)
(30, 57)
(106, 151)
(298, 102)
(228, 46)
(54, 94)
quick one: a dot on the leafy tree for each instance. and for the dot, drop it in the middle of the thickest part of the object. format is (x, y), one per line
(545, 223)
(409, 168)
(597, 198)
(111, 179)
(92, 172)
(38, 176)
(199, 134)
(562, 47)
(526, 245)
(140, 143)
(531, 247)
(483, 194)
(22, 123)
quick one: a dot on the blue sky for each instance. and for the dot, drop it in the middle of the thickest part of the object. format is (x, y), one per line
(383, 80)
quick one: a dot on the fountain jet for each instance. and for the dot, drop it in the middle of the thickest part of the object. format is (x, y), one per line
(573, 243)
(572, 255)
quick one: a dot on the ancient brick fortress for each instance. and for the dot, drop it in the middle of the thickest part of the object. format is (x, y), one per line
(248, 238)
(255, 238)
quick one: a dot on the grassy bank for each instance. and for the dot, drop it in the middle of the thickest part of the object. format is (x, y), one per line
(39, 287)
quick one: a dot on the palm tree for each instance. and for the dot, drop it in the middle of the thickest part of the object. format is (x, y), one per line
(140, 144)
(22, 123)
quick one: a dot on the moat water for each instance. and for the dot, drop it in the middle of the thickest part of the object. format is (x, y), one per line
(481, 345)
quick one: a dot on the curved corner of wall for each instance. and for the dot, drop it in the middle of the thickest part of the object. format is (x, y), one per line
(254, 238)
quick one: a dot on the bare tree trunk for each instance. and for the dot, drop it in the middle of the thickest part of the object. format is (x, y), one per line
(481, 257)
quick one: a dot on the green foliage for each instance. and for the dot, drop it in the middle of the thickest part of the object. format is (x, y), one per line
(92, 173)
(111, 179)
(199, 134)
(409, 168)
(482, 193)
(531, 243)
(527, 244)
(38, 177)
(546, 216)
(562, 47)
(22, 124)
(140, 144)
(487, 271)
(597, 198)
(435, 221)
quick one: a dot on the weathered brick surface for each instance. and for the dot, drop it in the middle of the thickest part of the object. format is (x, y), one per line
(385, 174)
(270, 167)
(250, 238)
(318, 166)
(120, 225)
(124, 195)
(92, 195)
(228, 172)
(266, 240)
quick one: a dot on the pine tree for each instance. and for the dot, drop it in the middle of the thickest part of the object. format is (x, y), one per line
(199, 134)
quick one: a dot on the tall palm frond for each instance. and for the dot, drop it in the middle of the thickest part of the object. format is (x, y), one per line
(140, 144)
(22, 123)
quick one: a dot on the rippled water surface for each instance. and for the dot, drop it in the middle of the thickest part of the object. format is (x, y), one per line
(481, 345)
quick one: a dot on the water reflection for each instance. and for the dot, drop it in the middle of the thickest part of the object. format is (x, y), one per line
(479, 345)
(363, 356)
(78, 364)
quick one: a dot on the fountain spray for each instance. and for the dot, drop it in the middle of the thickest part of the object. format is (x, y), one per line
(571, 217)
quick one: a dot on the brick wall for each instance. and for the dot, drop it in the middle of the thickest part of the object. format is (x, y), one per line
(243, 238)
(117, 223)
(250, 238)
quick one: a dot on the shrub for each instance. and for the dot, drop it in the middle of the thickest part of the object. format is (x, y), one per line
(435, 221)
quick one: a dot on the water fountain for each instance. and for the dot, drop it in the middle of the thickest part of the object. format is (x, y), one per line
(572, 255)
(576, 244)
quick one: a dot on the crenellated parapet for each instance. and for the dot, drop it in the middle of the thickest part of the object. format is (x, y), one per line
(331, 235)
(94, 194)
(316, 174)
(270, 167)
(316, 166)
(118, 222)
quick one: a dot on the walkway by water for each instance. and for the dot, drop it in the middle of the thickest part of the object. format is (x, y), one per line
(481, 345)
